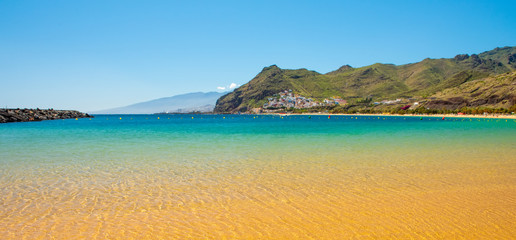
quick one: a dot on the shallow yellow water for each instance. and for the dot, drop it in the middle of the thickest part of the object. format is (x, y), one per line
(268, 179)
(309, 197)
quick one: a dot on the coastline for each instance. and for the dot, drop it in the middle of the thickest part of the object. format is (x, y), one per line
(480, 116)
(488, 116)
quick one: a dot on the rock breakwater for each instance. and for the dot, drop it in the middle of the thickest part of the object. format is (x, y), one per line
(28, 115)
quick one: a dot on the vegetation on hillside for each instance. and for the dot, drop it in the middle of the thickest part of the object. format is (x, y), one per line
(421, 80)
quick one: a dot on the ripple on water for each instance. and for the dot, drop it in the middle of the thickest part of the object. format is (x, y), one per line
(317, 185)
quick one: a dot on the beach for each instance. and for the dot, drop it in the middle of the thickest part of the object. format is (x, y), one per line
(481, 116)
(258, 177)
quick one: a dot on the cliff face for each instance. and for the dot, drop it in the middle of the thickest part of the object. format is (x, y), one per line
(27, 115)
(377, 81)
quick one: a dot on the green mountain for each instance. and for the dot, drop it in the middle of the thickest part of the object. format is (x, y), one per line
(377, 81)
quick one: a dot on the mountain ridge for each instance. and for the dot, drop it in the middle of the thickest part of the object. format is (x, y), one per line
(377, 81)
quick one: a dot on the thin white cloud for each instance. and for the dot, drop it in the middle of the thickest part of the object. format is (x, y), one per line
(230, 87)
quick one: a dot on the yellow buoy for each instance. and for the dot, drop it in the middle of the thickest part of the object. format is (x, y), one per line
(76, 119)
(120, 118)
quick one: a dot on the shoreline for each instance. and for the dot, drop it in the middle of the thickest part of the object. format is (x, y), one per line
(481, 116)
(489, 116)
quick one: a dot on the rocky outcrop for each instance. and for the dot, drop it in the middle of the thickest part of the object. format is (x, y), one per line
(28, 115)
(461, 57)
(449, 104)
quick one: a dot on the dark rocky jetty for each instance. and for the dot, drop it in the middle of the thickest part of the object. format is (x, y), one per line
(28, 115)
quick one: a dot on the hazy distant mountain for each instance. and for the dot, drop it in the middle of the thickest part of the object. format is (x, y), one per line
(199, 101)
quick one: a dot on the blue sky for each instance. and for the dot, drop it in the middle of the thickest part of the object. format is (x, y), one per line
(91, 55)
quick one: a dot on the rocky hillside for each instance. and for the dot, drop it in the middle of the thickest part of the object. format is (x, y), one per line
(377, 81)
(27, 115)
(493, 92)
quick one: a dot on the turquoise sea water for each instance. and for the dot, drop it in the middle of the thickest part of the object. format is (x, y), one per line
(53, 170)
(176, 138)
